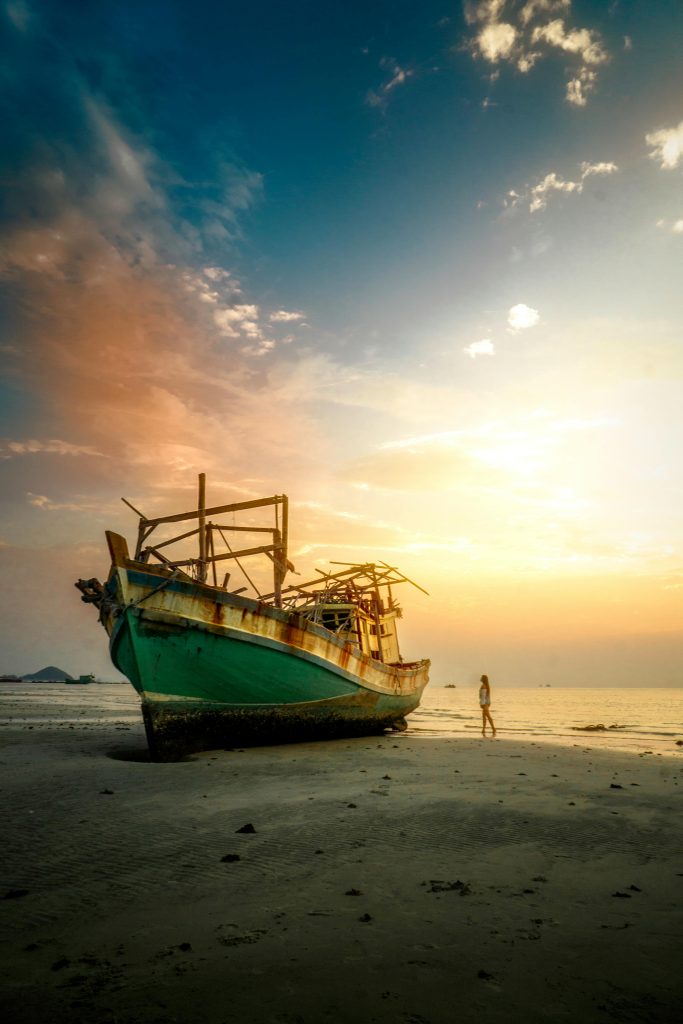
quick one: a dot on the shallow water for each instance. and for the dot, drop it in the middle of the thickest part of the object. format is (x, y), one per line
(648, 719)
(68, 704)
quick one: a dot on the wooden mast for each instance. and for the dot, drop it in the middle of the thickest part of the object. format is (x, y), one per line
(280, 552)
(201, 506)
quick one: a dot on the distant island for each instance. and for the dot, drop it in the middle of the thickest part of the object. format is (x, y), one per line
(50, 674)
(449, 686)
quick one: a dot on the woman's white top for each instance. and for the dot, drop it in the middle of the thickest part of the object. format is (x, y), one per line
(484, 697)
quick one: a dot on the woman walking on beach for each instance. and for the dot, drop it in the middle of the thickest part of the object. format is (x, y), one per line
(485, 705)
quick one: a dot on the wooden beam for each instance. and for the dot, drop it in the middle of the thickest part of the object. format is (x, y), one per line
(226, 554)
(247, 529)
(172, 540)
(137, 511)
(167, 562)
(213, 553)
(216, 510)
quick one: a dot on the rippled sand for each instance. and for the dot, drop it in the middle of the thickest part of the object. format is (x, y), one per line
(411, 879)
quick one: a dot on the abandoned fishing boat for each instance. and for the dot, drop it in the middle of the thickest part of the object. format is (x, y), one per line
(217, 668)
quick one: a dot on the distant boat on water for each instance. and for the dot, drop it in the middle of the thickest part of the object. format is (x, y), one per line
(217, 668)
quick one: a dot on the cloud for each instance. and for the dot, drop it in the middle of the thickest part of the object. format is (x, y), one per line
(216, 273)
(578, 88)
(604, 167)
(483, 10)
(532, 8)
(580, 41)
(666, 146)
(282, 316)
(480, 348)
(233, 320)
(419, 468)
(399, 77)
(129, 335)
(52, 447)
(521, 316)
(233, 317)
(495, 41)
(505, 32)
(551, 183)
(19, 14)
(675, 227)
(396, 76)
(537, 195)
(41, 501)
(516, 455)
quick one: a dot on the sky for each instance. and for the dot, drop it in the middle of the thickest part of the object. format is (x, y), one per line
(416, 265)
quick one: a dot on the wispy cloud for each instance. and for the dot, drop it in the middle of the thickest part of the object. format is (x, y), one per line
(484, 347)
(51, 447)
(42, 501)
(283, 316)
(19, 13)
(479, 457)
(533, 8)
(139, 346)
(675, 226)
(396, 76)
(504, 32)
(538, 194)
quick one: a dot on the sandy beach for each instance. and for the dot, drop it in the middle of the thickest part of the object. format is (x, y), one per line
(389, 879)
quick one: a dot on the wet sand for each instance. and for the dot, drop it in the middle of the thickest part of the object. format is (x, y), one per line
(389, 879)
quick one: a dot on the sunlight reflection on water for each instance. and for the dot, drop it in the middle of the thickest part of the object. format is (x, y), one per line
(646, 718)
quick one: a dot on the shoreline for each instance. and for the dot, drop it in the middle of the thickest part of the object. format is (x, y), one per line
(440, 715)
(399, 878)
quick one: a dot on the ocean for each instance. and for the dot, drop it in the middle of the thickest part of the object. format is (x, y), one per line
(644, 720)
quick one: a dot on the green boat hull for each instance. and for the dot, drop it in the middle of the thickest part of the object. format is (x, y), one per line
(204, 685)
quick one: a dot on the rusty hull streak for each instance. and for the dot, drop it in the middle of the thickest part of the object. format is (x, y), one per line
(283, 627)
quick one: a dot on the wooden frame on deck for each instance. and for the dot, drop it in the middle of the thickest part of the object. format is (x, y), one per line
(276, 551)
